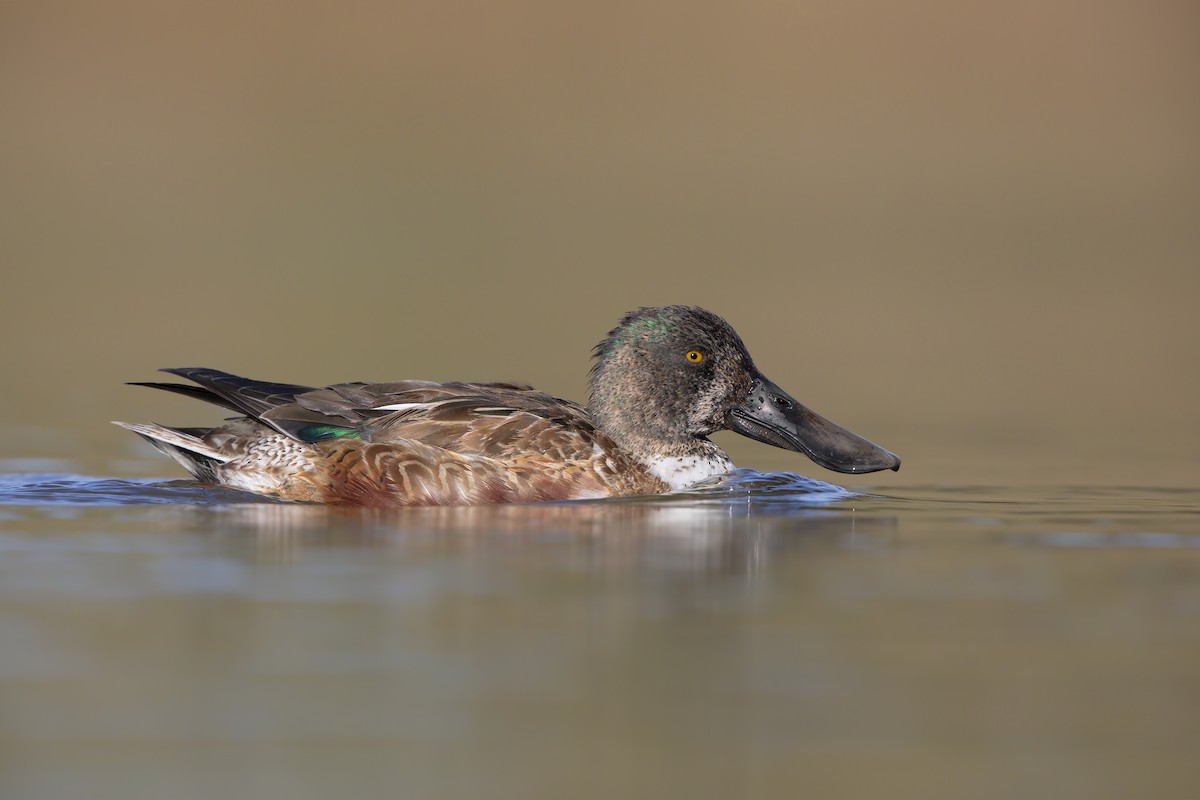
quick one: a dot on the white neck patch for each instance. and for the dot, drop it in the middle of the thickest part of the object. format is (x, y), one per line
(680, 472)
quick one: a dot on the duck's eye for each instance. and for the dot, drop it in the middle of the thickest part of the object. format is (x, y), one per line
(695, 356)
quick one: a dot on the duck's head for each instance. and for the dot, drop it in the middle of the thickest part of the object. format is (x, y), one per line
(667, 377)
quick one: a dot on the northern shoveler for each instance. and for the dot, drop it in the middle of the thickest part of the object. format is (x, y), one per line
(663, 380)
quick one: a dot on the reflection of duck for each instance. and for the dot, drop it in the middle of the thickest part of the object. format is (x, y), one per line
(664, 379)
(707, 530)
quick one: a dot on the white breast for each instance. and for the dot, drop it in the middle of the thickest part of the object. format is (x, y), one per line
(680, 472)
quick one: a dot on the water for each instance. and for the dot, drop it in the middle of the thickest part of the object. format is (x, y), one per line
(754, 639)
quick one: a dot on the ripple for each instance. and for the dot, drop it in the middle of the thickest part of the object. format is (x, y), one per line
(83, 490)
(764, 489)
(61, 489)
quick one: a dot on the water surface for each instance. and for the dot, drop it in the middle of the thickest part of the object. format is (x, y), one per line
(751, 639)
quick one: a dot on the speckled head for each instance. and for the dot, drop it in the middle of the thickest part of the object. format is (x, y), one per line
(665, 378)
(669, 375)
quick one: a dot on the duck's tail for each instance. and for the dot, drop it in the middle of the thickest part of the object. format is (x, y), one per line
(185, 445)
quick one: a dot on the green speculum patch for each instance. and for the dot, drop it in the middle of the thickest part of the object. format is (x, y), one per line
(323, 433)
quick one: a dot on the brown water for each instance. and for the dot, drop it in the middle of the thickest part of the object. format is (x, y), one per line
(768, 636)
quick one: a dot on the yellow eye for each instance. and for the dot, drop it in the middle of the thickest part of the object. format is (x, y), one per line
(695, 356)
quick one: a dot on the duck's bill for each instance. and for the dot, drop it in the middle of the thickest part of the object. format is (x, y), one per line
(773, 416)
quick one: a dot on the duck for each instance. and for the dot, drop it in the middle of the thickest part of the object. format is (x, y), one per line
(663, 380)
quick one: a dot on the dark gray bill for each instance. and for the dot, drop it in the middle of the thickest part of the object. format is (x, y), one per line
(771, 415)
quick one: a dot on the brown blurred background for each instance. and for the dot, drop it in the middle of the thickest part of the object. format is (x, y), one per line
(969, 232)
